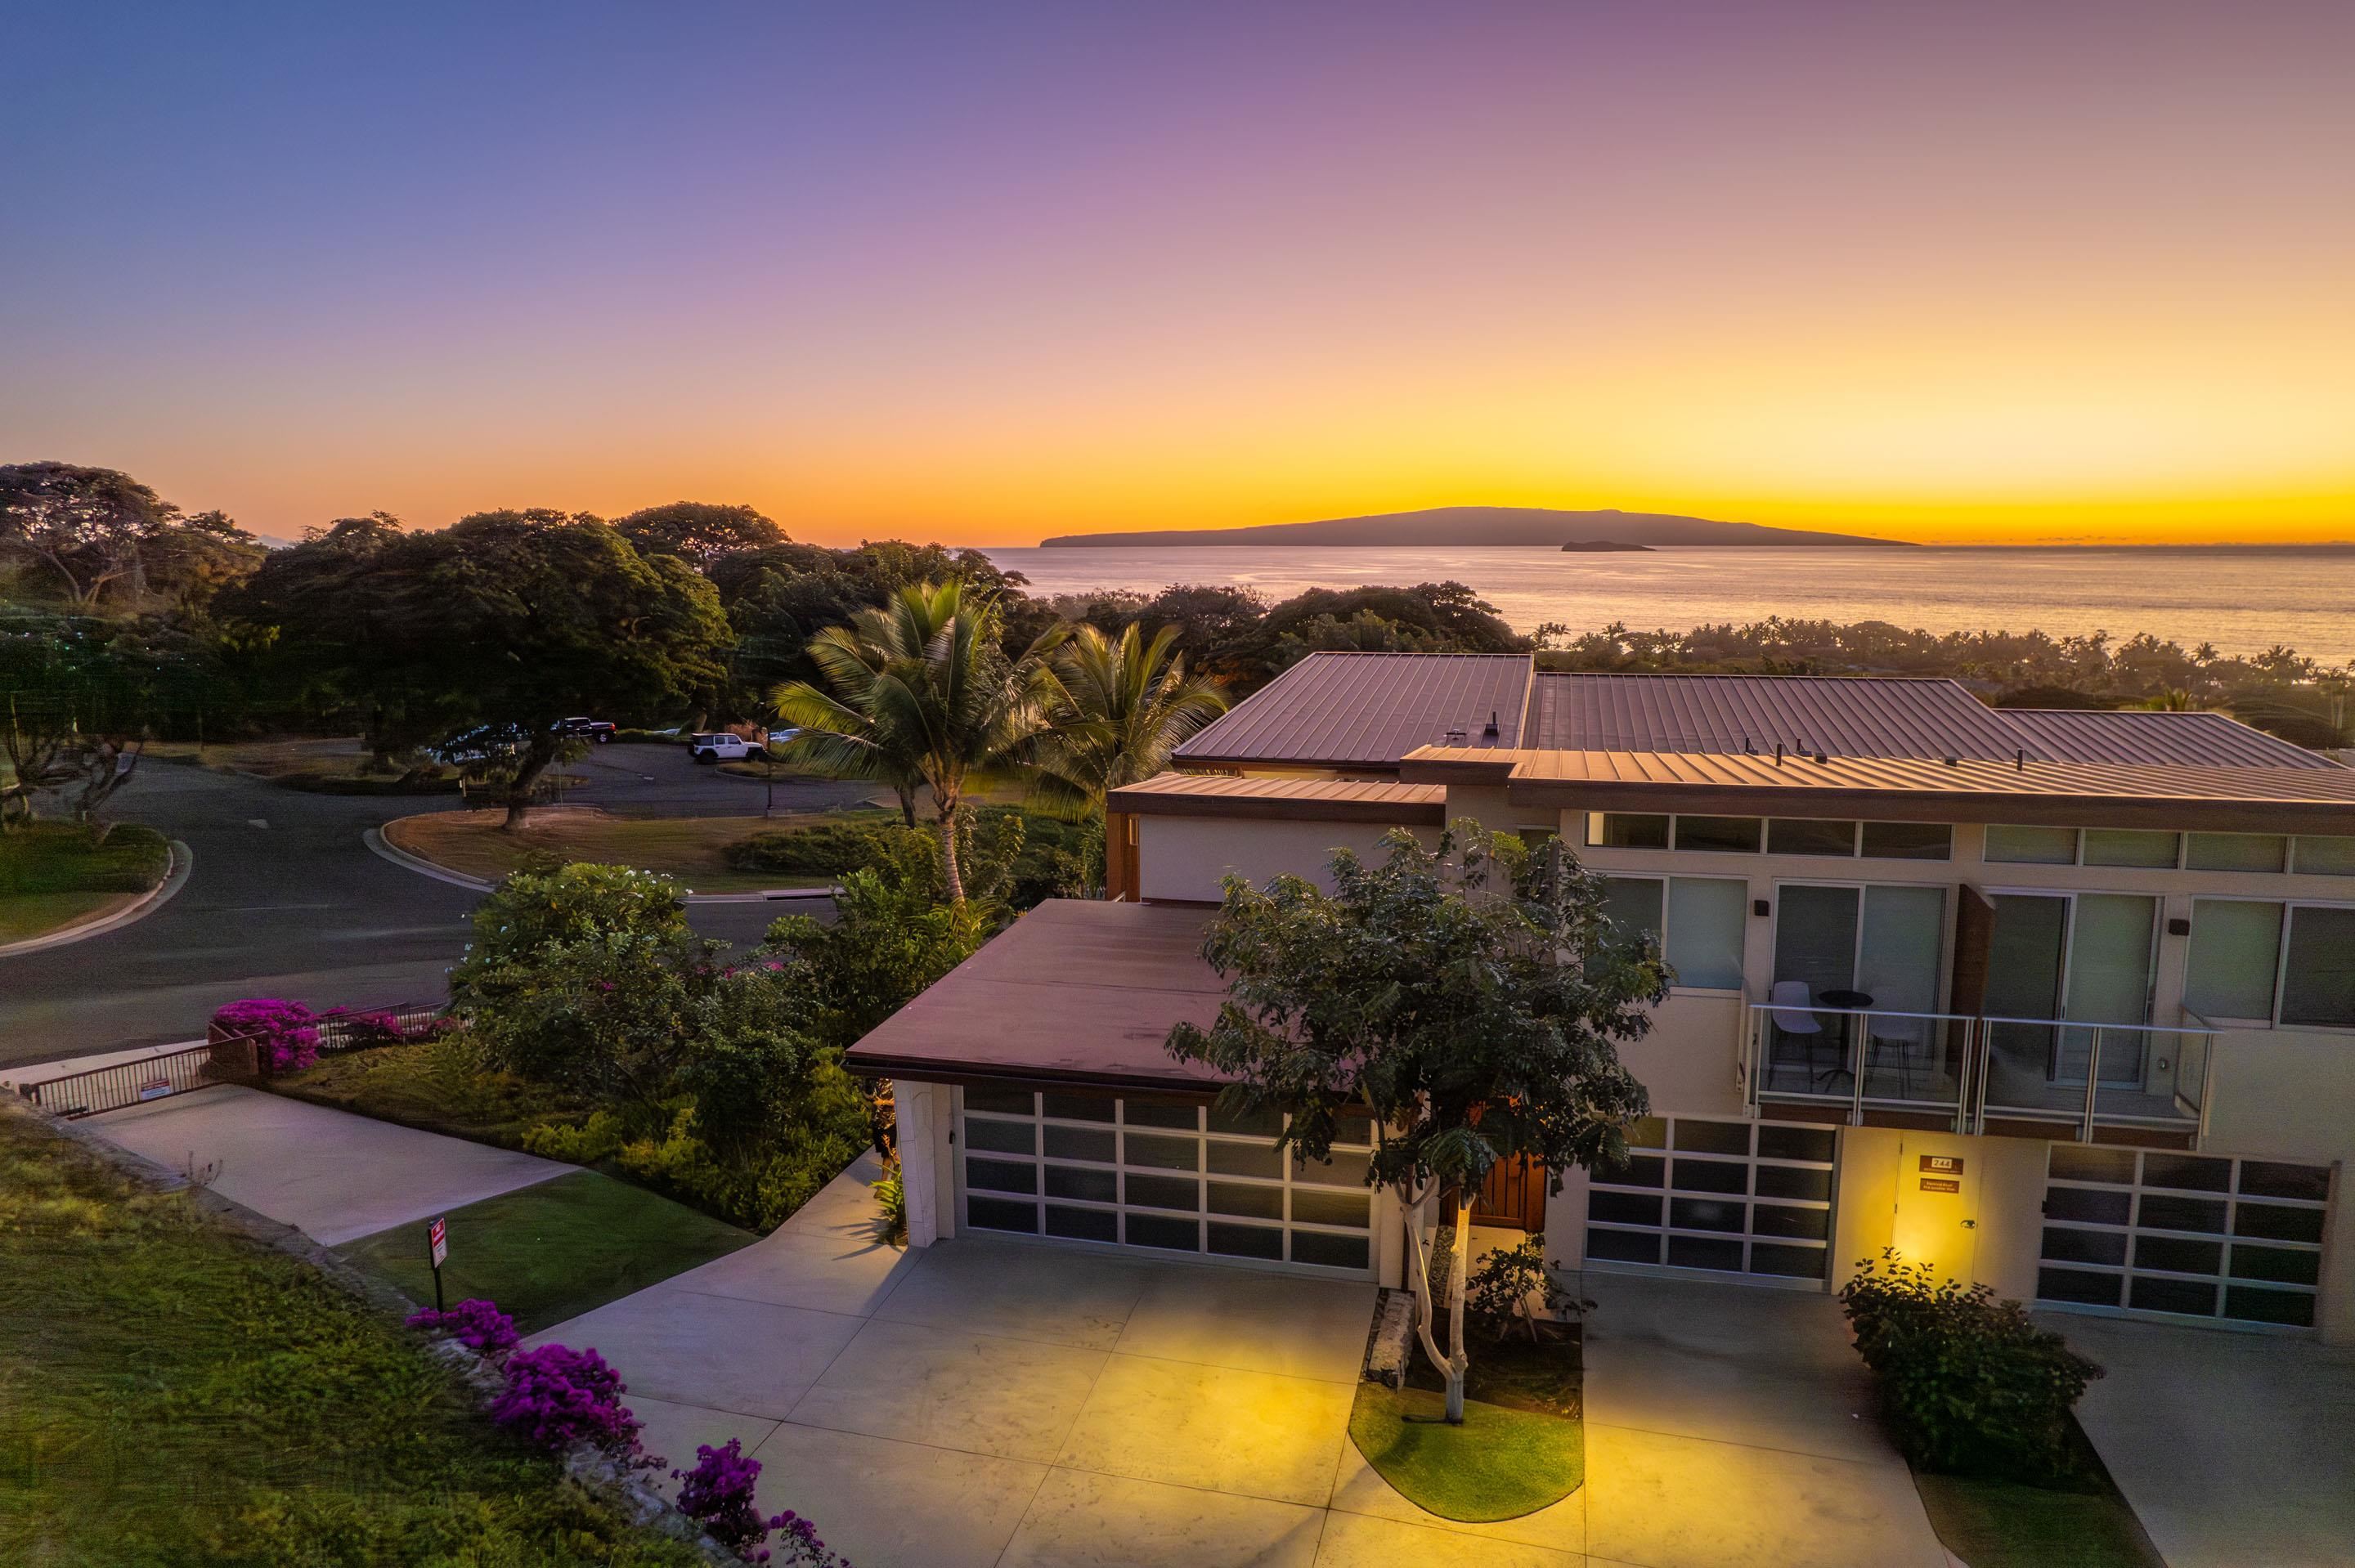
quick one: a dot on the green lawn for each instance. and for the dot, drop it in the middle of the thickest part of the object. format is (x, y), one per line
(51, 875)
(553, 1251)
(2003, 1524)
(1500, 1464)
(175, 1395)
(438, 1085)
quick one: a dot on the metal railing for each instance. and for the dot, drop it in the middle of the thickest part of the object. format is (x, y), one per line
(228, 1059)
(1974, 1067)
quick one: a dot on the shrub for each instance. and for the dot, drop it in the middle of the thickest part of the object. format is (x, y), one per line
(821, 849)
(891, 1194)
(1969, 1386)
(285, 1034)
(719, 1493)
(476, 1324)
(557, 1396)
(599, 1137)
(1498, 1292)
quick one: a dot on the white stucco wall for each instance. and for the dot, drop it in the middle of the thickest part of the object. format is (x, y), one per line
(1189, 857)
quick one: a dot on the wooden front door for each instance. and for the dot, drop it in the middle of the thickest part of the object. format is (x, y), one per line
(1513, 1197)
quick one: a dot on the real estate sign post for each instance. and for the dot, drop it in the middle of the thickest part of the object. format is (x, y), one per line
(437, 1245)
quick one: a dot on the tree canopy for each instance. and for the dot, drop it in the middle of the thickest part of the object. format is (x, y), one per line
(97, 537)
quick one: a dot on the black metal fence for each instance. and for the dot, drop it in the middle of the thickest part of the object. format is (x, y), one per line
(224, 1059)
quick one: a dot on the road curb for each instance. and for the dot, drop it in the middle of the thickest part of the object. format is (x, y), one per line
(375, 840)
(183, 862)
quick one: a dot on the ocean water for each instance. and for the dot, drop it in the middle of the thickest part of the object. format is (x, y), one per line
(2243, 601)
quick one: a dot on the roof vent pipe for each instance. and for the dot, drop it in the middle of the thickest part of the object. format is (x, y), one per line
(2019, 760)
(1492, 731)
(1778, 754)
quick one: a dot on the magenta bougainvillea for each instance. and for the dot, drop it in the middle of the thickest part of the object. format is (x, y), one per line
(476, 1324)
(286, 1033)
(718, 1494)
(557, 1396)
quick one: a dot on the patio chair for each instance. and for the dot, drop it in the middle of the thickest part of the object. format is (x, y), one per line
(1901, 1045)
(1790, 1008)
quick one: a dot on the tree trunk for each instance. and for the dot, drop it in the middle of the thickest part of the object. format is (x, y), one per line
(539, 752)
(907, 804)
(1458, 1256)
(949, 868)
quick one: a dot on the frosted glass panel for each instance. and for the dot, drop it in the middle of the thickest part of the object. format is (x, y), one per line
(2032, 846)
(1705, 921)
(2129, 846)
(2109, 982)
(2235, 950)
(2237, 852)
(1903, 932)
(1635, 902)
(2326, 857)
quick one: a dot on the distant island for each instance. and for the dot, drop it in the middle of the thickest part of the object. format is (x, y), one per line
(1443, 525)
(1600, 546)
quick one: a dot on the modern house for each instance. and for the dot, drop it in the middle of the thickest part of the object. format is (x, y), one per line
(2061, 1001)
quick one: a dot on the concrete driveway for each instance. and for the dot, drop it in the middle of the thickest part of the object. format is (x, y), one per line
(991, 1402)
(2234, 1448)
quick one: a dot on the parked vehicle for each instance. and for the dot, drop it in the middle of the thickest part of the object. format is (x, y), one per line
(597, 730)
(720, 745)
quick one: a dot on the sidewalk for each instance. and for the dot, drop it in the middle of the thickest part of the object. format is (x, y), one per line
(331, 1175)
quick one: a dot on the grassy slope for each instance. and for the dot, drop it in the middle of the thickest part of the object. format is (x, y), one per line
(553, 1250)
(50, 876)
(2003, 1524)
(173, 1393)
(435, 1085)
(688, 848)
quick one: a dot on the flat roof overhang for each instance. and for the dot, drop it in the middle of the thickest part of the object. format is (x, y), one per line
(2058, 794)
(1077, 992)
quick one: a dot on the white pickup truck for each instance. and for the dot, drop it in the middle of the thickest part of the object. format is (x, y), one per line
(721, 746)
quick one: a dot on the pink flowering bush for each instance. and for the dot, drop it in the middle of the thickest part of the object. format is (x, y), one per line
(557, 1396)
(718, 1493)
(478, 1325)
(285, 1034)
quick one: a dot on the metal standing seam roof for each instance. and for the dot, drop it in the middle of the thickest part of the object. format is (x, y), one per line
(1844, 716)
(1320, 799)
(1368, 709)
(2179, 739)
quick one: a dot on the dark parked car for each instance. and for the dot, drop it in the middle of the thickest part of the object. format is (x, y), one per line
(597, 730)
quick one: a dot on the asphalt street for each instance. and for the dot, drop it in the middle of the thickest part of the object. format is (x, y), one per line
(287, 900)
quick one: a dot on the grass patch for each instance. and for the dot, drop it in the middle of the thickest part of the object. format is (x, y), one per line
(553, 1250)
(1500, 1464)
(2006, 1524)
(52, 876)
(173, 1393)
(440, 1085)
(692, 849)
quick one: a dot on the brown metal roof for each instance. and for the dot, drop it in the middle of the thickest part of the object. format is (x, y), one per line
(2133, 736)
(1075, 991)
(1367, 710)
(1307, 799)
(2256, 800)
(1846, 715)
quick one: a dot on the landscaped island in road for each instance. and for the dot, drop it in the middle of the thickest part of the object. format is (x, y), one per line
(53, 877)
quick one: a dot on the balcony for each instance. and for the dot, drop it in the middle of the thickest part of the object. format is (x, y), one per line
(2022, 1078)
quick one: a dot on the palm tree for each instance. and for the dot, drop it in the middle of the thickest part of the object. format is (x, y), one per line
(920, 694)
(1124, 708)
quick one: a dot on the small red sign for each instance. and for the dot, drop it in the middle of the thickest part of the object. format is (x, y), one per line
(437, 1236)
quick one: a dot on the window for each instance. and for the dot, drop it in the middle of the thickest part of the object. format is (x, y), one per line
(2031, 846)
(1806, 835)
(2236, 852)
(1698, 920)
(2235, 958)
(2247, 951)
(2130, 846)
(1909, 841)
(2318, 968)
(2326, 857)
(1727, 835)
(1621, 830)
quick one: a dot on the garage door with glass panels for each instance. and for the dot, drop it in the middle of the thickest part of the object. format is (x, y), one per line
(1175, 1178)
(2200, 1235)
(1735, 1197)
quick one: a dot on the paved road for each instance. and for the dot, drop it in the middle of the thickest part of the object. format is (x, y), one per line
(287, 901)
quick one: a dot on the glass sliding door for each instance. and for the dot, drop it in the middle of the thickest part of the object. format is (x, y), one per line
(1881, 942)
(2110, 948)
(2027, 960)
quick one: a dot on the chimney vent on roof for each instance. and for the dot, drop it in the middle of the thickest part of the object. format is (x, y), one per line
(2019, 760)
(1953, 762)
(1749, 747)
(1778, 754)
(1822, 757)
(1493, 730)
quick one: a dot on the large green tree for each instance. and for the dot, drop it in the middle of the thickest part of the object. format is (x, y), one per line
(698, 532)
(920, 693)
(97, 536)
(1469, 998)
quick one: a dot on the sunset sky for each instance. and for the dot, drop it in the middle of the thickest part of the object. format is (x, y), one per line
(980, 271)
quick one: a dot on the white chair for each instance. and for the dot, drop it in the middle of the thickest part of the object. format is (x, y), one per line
(1790, 1008)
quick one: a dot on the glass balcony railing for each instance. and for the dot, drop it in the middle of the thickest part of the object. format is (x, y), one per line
(1974, 1070)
